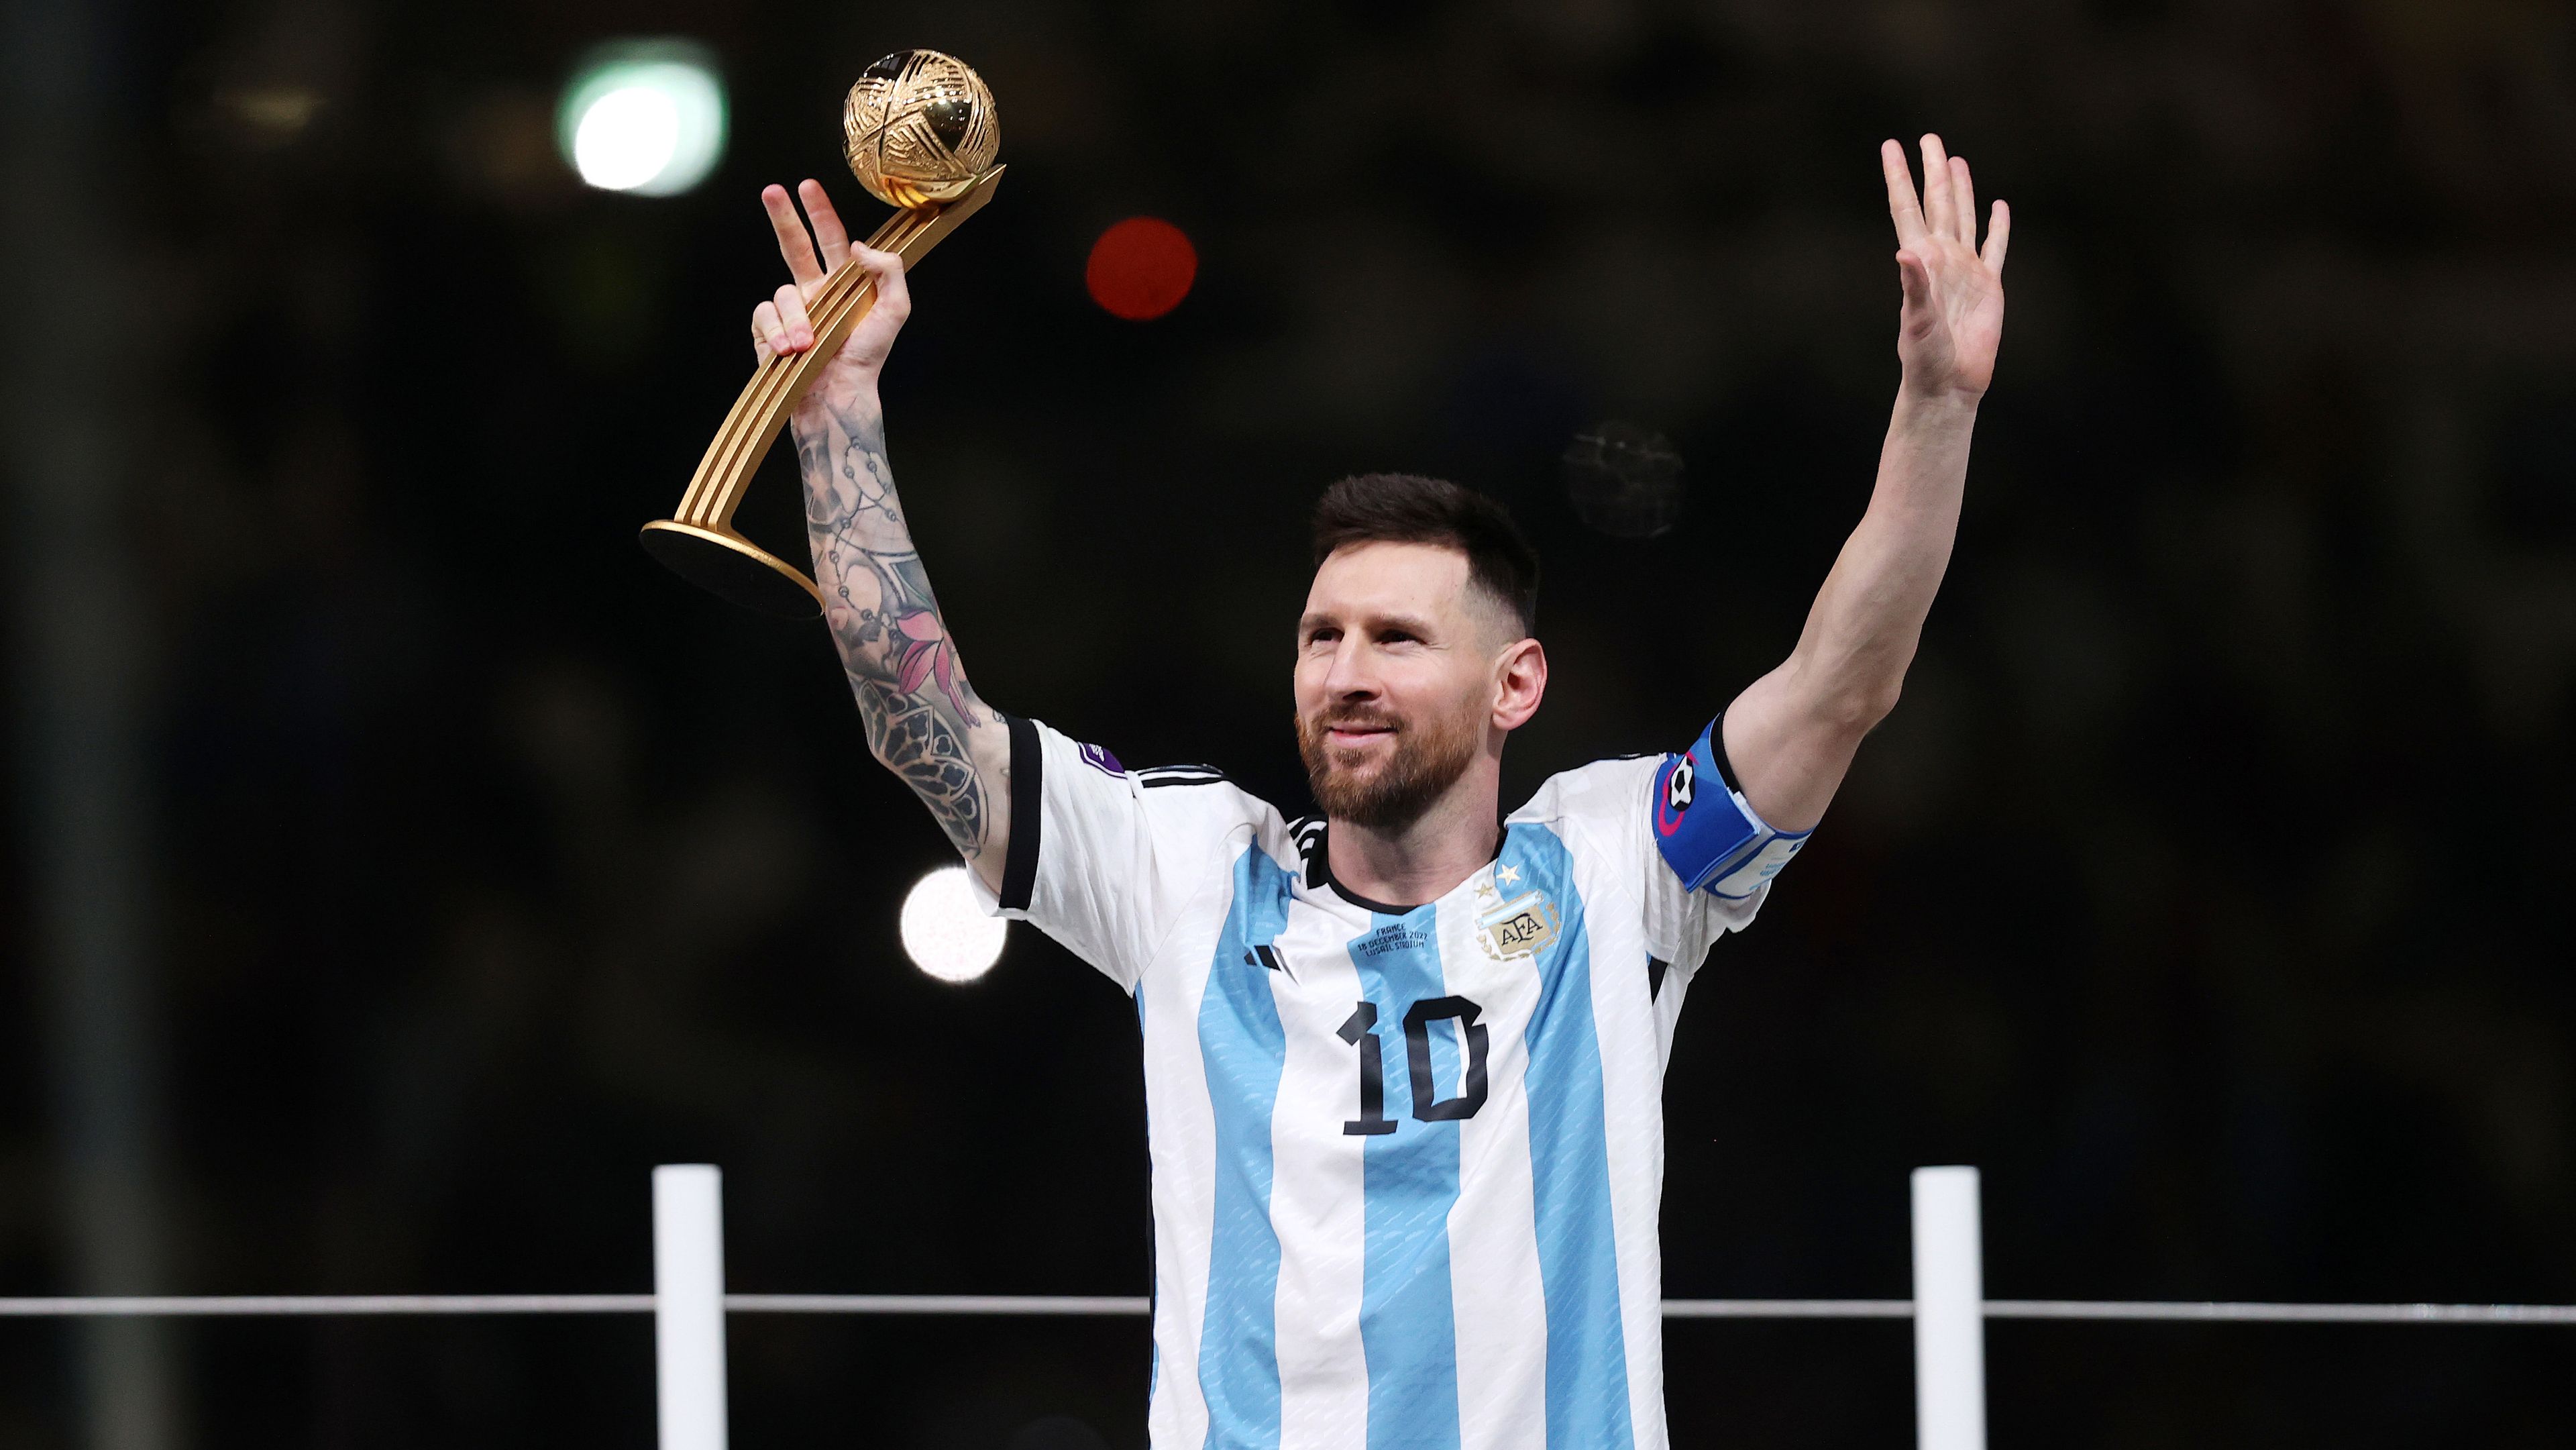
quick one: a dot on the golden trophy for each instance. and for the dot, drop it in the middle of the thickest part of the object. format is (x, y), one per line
(921, 135)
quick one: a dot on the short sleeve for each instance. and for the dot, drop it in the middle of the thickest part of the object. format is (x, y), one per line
(1633, 811)
(1105, 860)
(1681, 924)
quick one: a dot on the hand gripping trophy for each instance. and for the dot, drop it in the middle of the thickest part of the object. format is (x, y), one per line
(921, 136)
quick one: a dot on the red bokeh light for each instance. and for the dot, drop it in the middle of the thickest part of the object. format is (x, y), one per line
(1141, 268)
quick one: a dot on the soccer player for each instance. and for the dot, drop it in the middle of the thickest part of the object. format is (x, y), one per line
(1403, 1061)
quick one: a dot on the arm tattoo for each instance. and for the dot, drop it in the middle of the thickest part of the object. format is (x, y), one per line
(913, 695)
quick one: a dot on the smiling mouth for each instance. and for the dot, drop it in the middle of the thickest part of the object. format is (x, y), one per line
(1352, 735)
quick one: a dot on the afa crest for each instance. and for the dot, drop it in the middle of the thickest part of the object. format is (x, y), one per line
(1520, 927)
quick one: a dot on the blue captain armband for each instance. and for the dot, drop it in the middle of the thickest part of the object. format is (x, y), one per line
(1709, 833)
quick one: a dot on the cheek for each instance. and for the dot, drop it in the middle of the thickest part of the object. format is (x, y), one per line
(1306, 680)
(1432, 691)
(1471, 699)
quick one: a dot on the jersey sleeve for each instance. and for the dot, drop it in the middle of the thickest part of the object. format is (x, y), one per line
(1680, 828)
(1105, 860)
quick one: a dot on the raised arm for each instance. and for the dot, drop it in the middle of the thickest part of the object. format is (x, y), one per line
(924, 721)
(1791, 734)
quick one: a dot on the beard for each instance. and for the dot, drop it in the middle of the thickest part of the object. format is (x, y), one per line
(1425, 762)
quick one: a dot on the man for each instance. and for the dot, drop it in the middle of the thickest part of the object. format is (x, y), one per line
(1403, 1065)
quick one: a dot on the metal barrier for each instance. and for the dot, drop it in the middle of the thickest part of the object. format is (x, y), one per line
(689, 1306)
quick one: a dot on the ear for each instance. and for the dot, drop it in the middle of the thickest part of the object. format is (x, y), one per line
(1520, 681)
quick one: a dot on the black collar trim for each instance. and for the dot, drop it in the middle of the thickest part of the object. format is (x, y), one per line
(1362, 902)
(1319, 869)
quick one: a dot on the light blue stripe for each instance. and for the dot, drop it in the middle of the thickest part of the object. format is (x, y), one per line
(1243, 1049)
(1587, 1351)
(1408, 1331)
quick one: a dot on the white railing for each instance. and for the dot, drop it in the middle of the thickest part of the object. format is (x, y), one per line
(689, 1305)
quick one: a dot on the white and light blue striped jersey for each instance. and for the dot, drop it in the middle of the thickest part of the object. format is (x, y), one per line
(1407, 1161)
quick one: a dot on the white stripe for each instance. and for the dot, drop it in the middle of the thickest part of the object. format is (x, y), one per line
(1317, 1202)
(1496, 1293)
(1632, 1100)
(1181, 1132)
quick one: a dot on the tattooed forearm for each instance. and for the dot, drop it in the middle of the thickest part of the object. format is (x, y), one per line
(921, 714)
(916, 743)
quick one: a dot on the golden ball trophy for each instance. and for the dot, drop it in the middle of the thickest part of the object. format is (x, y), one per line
(921, 135)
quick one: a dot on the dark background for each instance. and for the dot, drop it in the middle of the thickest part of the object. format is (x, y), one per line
(2199, 890)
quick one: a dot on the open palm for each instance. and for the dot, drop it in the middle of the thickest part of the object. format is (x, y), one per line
(1953, 318)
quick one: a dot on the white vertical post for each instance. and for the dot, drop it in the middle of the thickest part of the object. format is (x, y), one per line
(688, 1304)
(1949, 1312)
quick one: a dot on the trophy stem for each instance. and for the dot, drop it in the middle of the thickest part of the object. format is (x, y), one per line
(709, 501)
(782, 382)
(699, 541)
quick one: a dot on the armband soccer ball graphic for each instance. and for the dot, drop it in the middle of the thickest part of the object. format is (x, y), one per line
(1707, 831)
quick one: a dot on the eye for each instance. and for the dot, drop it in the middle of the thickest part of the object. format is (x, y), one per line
(1322, 634)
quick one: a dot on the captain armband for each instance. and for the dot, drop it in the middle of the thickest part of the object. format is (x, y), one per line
(1709, 833)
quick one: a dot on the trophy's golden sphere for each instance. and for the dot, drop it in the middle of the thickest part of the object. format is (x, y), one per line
(920, 128)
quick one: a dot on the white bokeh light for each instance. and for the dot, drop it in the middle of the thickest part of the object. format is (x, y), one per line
(946, 932)
(626, 138)
(646, 117)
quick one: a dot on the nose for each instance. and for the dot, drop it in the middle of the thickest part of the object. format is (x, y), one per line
(1349, 676)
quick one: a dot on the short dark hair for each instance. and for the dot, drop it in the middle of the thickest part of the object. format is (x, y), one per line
(1407, 508)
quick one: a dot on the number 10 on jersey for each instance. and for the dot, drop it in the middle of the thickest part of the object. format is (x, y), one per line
(1428, 1106)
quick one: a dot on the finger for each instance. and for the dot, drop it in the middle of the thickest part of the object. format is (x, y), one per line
(792, 323)
(793, 244)
(1901, 207)
(765, 331)
(886, 269)
(1915, 279)
(1998, 236)
(1938, 214)
(1963, 196)
(834, 237)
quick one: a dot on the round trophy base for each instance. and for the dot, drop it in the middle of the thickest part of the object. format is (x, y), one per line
(733, 567)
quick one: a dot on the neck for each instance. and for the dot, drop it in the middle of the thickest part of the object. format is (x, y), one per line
(1426, 858)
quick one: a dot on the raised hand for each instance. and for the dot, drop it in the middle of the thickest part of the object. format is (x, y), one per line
(1953, 317)
(781, 326)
